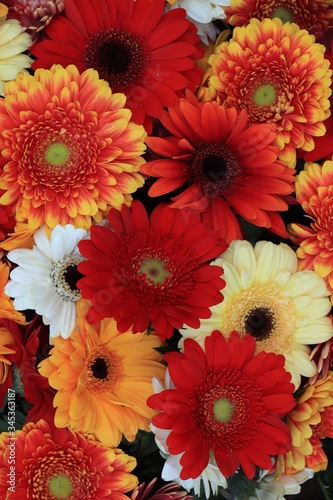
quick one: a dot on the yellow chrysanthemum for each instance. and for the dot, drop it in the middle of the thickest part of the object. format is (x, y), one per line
(283, 309)
(278, 74)
(309, 422)
(13, 42)
(103, 379)
(69, 149)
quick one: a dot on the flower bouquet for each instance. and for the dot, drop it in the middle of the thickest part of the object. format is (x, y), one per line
(166, 239)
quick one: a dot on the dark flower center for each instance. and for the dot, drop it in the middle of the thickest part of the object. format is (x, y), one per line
(259, 323)
(100, 368)
(215, 168)
(72, 275)
(120, 57)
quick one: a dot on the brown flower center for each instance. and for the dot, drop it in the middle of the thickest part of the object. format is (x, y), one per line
(104, 370)
(120, 57)
(215, 168)
(65, 275)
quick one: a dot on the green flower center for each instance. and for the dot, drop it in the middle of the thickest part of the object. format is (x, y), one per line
(265, 95)
(60, 486)
(57, 154)
(155, 270)
(283, 14)
(223, 410)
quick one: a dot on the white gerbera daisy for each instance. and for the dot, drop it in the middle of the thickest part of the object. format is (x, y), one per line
(201, 13)
(211, 477)
(46, 276)
(274, 487)
(285, 310)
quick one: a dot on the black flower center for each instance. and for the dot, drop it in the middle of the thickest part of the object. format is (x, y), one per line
(72, 275)
(215, 168)
(259, 323)
(114, 56)
(100, 368)
(120, 57)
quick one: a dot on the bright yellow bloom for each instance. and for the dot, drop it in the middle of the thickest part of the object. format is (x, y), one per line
(309, 422)
(103, 379)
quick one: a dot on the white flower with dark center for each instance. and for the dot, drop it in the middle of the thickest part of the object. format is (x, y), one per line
(46, 276)
(201, 13)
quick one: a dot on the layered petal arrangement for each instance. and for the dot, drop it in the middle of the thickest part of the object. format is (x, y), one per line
(305, 13)
(102, 379)
(69, 148)
(265, 296)
(58, 463)
(221, 166)
(151, 269)
(314, 191)
(34, 15)
(228, 400)
(278, 73)
(138, 50)
(46, 276)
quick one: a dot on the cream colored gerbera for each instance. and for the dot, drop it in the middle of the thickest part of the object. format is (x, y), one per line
(285, 310)
(13, 42)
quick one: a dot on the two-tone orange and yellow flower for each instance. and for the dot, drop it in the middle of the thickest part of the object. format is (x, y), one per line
(278, 74)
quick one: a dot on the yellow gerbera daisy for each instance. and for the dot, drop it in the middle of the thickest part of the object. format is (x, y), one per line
(309, 422)
(283, 309)
(103, 379)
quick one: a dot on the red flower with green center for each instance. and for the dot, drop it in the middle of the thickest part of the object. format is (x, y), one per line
(147, 55)
(221, 167)
(305, 13)
(228, 401)
(69, 149)
(53, 463)
(152, 269)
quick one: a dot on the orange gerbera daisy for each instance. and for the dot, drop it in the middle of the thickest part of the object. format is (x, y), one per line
(55, 463)
(309, 422)
(103, 379)
(221, 167)
(278, 74)
(305, 13)
(69, 149)
(314, 191)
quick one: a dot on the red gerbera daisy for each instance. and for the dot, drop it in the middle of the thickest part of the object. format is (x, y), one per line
(55, 463)
(222, 165)
(228, 401)
(151, 269)
(142, 53)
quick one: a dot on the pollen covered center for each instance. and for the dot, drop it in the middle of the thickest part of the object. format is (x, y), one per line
(57, 154)
(155, 270)
(60, 486)
(265, 95)
(223, 410)
(283, 13)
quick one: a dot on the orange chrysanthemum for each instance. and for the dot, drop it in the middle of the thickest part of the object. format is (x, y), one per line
(305, 13)
(314, 191)
(278, 74)
(55, 463)
(221, 167)
(309, 422)
(103, 379)
(69, 149)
